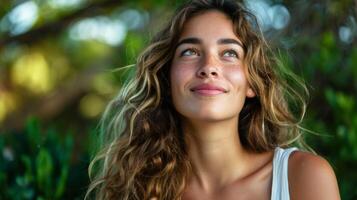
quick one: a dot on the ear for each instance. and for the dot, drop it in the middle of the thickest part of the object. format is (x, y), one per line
(250, 93)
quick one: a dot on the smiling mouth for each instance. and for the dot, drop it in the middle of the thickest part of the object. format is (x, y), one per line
(207, 92)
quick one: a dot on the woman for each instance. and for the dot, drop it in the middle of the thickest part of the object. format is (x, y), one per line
(208, 116)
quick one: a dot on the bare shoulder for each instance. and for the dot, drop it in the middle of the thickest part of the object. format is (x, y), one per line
(311, 177)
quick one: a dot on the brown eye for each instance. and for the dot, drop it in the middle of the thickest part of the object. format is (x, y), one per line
(189, 52)
(230, 53)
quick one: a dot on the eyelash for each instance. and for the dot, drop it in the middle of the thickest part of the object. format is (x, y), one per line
(189, 49)
(194, 50)
(231, 51)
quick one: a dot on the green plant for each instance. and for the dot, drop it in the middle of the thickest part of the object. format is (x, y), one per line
(36, 163)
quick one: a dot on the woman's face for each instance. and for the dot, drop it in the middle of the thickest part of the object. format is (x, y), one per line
(208, 80)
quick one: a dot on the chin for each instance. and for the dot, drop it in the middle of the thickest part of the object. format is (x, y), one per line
(209, 116)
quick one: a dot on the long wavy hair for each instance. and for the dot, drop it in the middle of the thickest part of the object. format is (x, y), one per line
(142, 154)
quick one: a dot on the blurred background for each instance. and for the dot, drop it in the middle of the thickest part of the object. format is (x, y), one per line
(58, 61)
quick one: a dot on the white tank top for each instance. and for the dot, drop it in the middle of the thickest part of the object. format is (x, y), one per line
(280, 186)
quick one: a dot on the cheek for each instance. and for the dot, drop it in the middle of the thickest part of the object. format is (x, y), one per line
(237, 78)
(179, 75)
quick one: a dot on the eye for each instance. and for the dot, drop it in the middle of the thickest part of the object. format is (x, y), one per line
(230, 53)
(189, 52)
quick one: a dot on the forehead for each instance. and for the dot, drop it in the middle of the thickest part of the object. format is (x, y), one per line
(209, 24)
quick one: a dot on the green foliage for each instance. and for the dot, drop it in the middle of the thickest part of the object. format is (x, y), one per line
(330, 71)
(43, 162)
(36, 164)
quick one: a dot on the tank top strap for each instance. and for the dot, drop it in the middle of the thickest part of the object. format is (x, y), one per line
(280, 183)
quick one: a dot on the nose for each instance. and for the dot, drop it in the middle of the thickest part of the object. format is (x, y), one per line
(209, 68)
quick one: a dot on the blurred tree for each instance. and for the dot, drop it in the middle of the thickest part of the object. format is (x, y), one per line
(58, 61)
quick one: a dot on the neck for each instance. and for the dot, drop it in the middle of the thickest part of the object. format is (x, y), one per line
(216, 153)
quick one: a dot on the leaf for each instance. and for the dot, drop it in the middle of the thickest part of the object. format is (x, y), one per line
(33, 133)
(61, 183)
(44, 166)
(28, 168)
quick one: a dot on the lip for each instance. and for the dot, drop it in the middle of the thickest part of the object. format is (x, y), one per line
(208, 89)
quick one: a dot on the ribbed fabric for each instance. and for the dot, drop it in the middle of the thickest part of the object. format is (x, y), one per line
(280, 186)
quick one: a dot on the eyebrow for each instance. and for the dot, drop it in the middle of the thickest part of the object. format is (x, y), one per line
(230, 41)
(193, 40)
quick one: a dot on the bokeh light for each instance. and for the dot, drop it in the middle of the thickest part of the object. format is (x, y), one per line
(21, 18)
(91, 105)
(269, 15)
(31, 71)
(103, 29)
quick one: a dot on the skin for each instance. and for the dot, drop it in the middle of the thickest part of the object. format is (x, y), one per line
(222, 168)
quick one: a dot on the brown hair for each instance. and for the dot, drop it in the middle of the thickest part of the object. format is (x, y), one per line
(142, 154)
